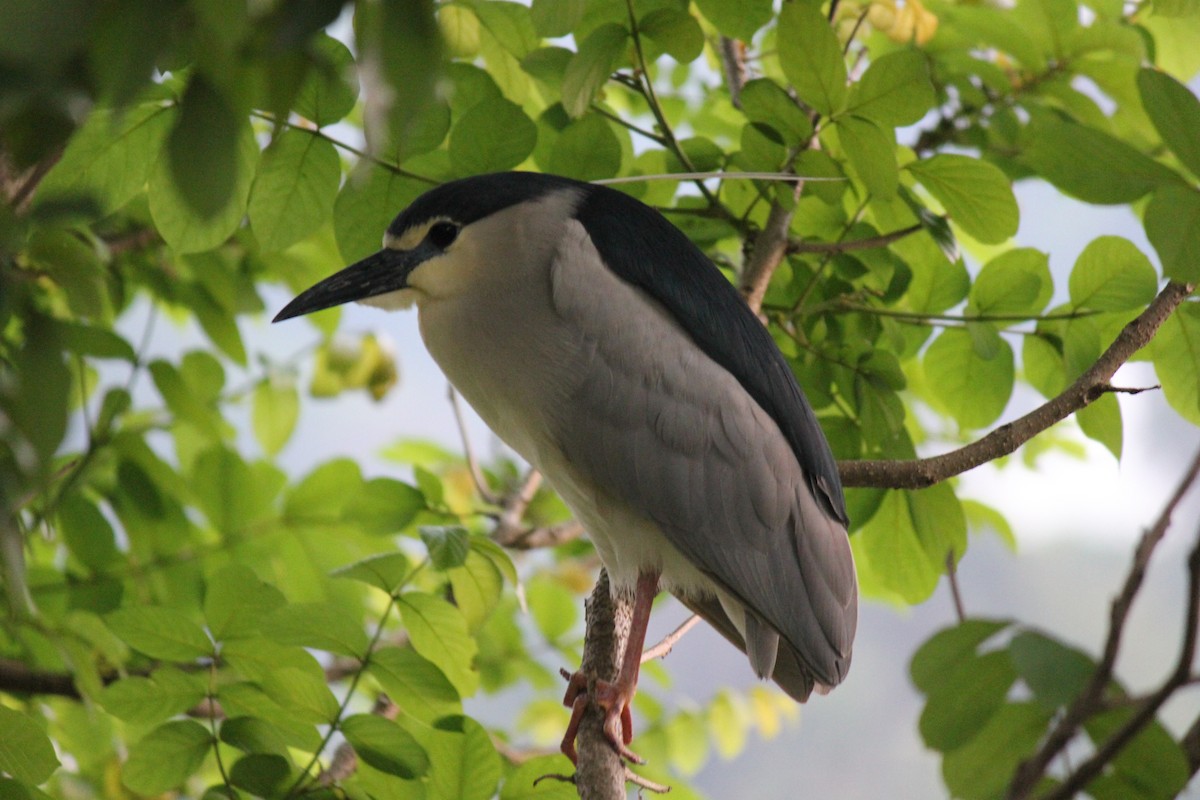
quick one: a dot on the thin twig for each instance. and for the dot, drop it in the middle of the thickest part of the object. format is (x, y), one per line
(956, 595)
(922, 316)
(733, 62)
(32, 179)
(663, 648)
(922, 472)
(481, 484)
(1030, 772)
(870, 243)
(646, 87)
(1104, 754)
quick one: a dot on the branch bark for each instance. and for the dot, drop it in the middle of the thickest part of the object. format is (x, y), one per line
(923, 472)
(601, 772)
(770, 248)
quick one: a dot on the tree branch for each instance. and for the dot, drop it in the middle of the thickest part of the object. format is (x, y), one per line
(770, 247)
(1090, 700)
(923, 472)
(871, 242)
(601, 772)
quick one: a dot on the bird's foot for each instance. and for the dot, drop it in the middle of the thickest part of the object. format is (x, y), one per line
(614, 700)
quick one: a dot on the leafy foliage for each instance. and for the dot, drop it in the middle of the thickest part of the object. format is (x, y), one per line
(171, 161)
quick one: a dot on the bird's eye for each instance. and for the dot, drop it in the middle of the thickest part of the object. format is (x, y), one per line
(442, 234)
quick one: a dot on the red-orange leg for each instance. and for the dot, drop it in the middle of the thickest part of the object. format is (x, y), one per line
(614, 698)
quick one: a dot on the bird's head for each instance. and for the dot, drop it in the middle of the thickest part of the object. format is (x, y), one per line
(445, 242)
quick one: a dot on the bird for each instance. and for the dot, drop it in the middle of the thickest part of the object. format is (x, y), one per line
(607, 350)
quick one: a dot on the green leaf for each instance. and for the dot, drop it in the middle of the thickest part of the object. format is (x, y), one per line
(1091, 164)
(25, 750)
(1175, 112)
(202, 149)
(261, 774)
(737, 19)
(589, 68)
(552, 606)
(984, 517)
(494, 135)
(983, 767)
(907, 560)
(477, 585)
(302, 692)
(511, 24)
(1015, 282)
(1112, 274)
(150, 701)
(448, 545)
(255, 658)
(254, 735)
(1172, 223)
(275, 409)
(973, 390)
(963, 702)
(523, 782)
(366, 205)
(439, 633)
(294, 190)
(497, 555)
(895, 90)
(324, 492)
(687, 743)
(728, 723)
(227, 490)
(1101, 420)
(977, 196)
(872, 154)
(464, 764)
(320, 625)
(1044, 367)
(553, 18)
(1054, 672)
(386, 746)
(948, 649)
(403, 39)
(247, 700)
(330, 90)
(87, 533)
(1176, 353)
(675, 31)
(166, 757)
(12, 789)
(385, 506)
(414, 683)
(811, 57)
(110, 157)
(160, 632)
(765, 102)
(90, 340)
(586, 150)
(387, 571)
(236, 602)
(182, 228)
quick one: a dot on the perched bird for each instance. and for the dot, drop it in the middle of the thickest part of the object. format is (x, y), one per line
(600, 344)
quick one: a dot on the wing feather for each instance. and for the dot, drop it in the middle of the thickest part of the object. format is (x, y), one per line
(675, 437)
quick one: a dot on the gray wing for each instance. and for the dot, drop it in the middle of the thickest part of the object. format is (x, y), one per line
(676, 438)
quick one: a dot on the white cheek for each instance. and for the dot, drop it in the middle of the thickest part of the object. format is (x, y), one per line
(399, 300)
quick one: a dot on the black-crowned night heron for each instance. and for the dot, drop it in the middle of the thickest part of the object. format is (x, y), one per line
(607, 350)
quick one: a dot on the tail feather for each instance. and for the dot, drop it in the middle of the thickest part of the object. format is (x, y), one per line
(789, 673)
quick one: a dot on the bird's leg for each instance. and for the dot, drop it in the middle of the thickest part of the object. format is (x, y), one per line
(614, 698)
